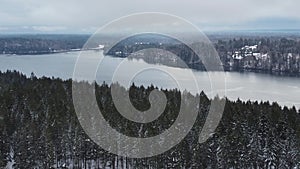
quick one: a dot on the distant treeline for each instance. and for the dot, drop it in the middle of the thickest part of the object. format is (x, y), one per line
(39, 129)
(40, 44)
(272, 55)
(275, 55)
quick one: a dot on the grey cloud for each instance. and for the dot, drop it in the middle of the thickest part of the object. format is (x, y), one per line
(83, 15)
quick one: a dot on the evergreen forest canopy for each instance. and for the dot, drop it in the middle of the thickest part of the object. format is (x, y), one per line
(39, 129)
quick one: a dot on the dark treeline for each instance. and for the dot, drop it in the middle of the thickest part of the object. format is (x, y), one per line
(39, 129)
(275, 55)
(272, 54)
(40, 44)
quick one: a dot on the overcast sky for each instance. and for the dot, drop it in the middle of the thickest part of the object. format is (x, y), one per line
(85, 16)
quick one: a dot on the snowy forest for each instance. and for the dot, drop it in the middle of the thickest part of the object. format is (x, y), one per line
(39, 129)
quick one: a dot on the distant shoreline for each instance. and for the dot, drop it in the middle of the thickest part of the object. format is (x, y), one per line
(46, 53)
(273, 73)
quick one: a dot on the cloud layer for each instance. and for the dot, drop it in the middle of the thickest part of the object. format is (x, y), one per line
(86, 16)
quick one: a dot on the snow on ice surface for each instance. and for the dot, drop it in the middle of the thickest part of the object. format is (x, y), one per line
(10, 164)
(11, 161)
